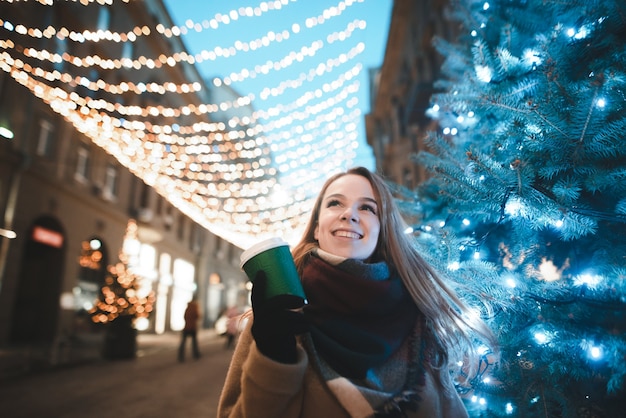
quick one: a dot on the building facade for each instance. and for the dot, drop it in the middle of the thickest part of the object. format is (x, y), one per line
(397, 123)
(66, 203)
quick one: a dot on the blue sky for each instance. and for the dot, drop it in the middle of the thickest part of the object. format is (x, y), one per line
(237, 29)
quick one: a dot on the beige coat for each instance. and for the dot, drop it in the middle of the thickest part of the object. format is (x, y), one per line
(259, 387)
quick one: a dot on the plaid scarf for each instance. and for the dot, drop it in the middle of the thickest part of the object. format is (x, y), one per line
(365, 337)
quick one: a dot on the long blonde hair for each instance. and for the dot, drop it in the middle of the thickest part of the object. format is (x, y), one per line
(447, 316)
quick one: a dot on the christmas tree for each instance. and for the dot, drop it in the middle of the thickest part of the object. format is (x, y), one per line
(121, 296)
(526, 206)
(122, 301)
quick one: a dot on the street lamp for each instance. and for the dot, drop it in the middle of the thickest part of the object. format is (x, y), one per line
(7, 233)
(6, 133)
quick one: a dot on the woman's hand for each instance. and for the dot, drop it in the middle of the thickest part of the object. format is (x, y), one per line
(276, 324)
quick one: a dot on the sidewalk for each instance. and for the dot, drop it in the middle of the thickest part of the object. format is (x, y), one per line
(155, 385)
(87, 348)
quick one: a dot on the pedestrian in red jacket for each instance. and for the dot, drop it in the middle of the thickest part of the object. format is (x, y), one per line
(192, 315)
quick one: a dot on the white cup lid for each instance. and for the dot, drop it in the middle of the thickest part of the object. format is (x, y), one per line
(259, 248)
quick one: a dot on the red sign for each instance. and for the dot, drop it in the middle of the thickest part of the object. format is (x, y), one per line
(47, 236)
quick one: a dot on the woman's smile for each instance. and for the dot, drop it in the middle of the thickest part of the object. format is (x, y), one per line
(347, 234)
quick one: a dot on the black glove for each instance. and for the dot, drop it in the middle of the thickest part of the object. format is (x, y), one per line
(275, 325)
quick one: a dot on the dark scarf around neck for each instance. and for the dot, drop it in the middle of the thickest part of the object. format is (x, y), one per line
(359, 314)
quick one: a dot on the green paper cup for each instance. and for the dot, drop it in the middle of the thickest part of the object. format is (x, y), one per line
(274, 258)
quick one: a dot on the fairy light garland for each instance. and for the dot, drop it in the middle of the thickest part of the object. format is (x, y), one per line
(84, 36)
(217, 53)
(130, 153)
(293, 57)
(194, 87)
(212, 205)
(83, 2)
(224, 18)
(142, 62)
(153, 87)
(100, 104)
(107, 130)
(239, 177)
(100, 85)
(219, 19)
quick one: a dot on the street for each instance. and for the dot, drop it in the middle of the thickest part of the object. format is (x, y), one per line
(155, 384)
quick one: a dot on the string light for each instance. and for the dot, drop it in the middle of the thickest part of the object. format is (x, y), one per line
(287, 61)
(227, 174)
(100, 85)
(510, 282)
(548, 271)
(217, 53)
(588, 279)
(541, 338)
(484, 73)
(83, 2)
(595, 352)
(185, 88)
(454, 266)
(163, 111)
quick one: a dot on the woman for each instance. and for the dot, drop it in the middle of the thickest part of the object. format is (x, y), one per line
(382, 326)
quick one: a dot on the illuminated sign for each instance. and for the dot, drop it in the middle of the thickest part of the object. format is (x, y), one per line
(47, 237)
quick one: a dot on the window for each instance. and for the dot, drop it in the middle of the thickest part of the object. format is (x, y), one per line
(92, 261)
(180, 230)
(44, 142)
(223, 249)
(159, 206)
(91, 274)
(61, 48)
(168, 218)
(127, 50)
(147, 264)
(184, 288)
(82, 164)
(196, 238)
(144, 196)
(104, 18)
(94, 76)
(144, 210)
(109, 190)
(165, 266)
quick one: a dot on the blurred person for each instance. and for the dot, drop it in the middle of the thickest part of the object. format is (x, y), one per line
(379, 335)
(192, 316)
(233, 318)
(229, 325)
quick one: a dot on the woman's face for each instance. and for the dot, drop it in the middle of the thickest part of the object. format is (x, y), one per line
(348, 224)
